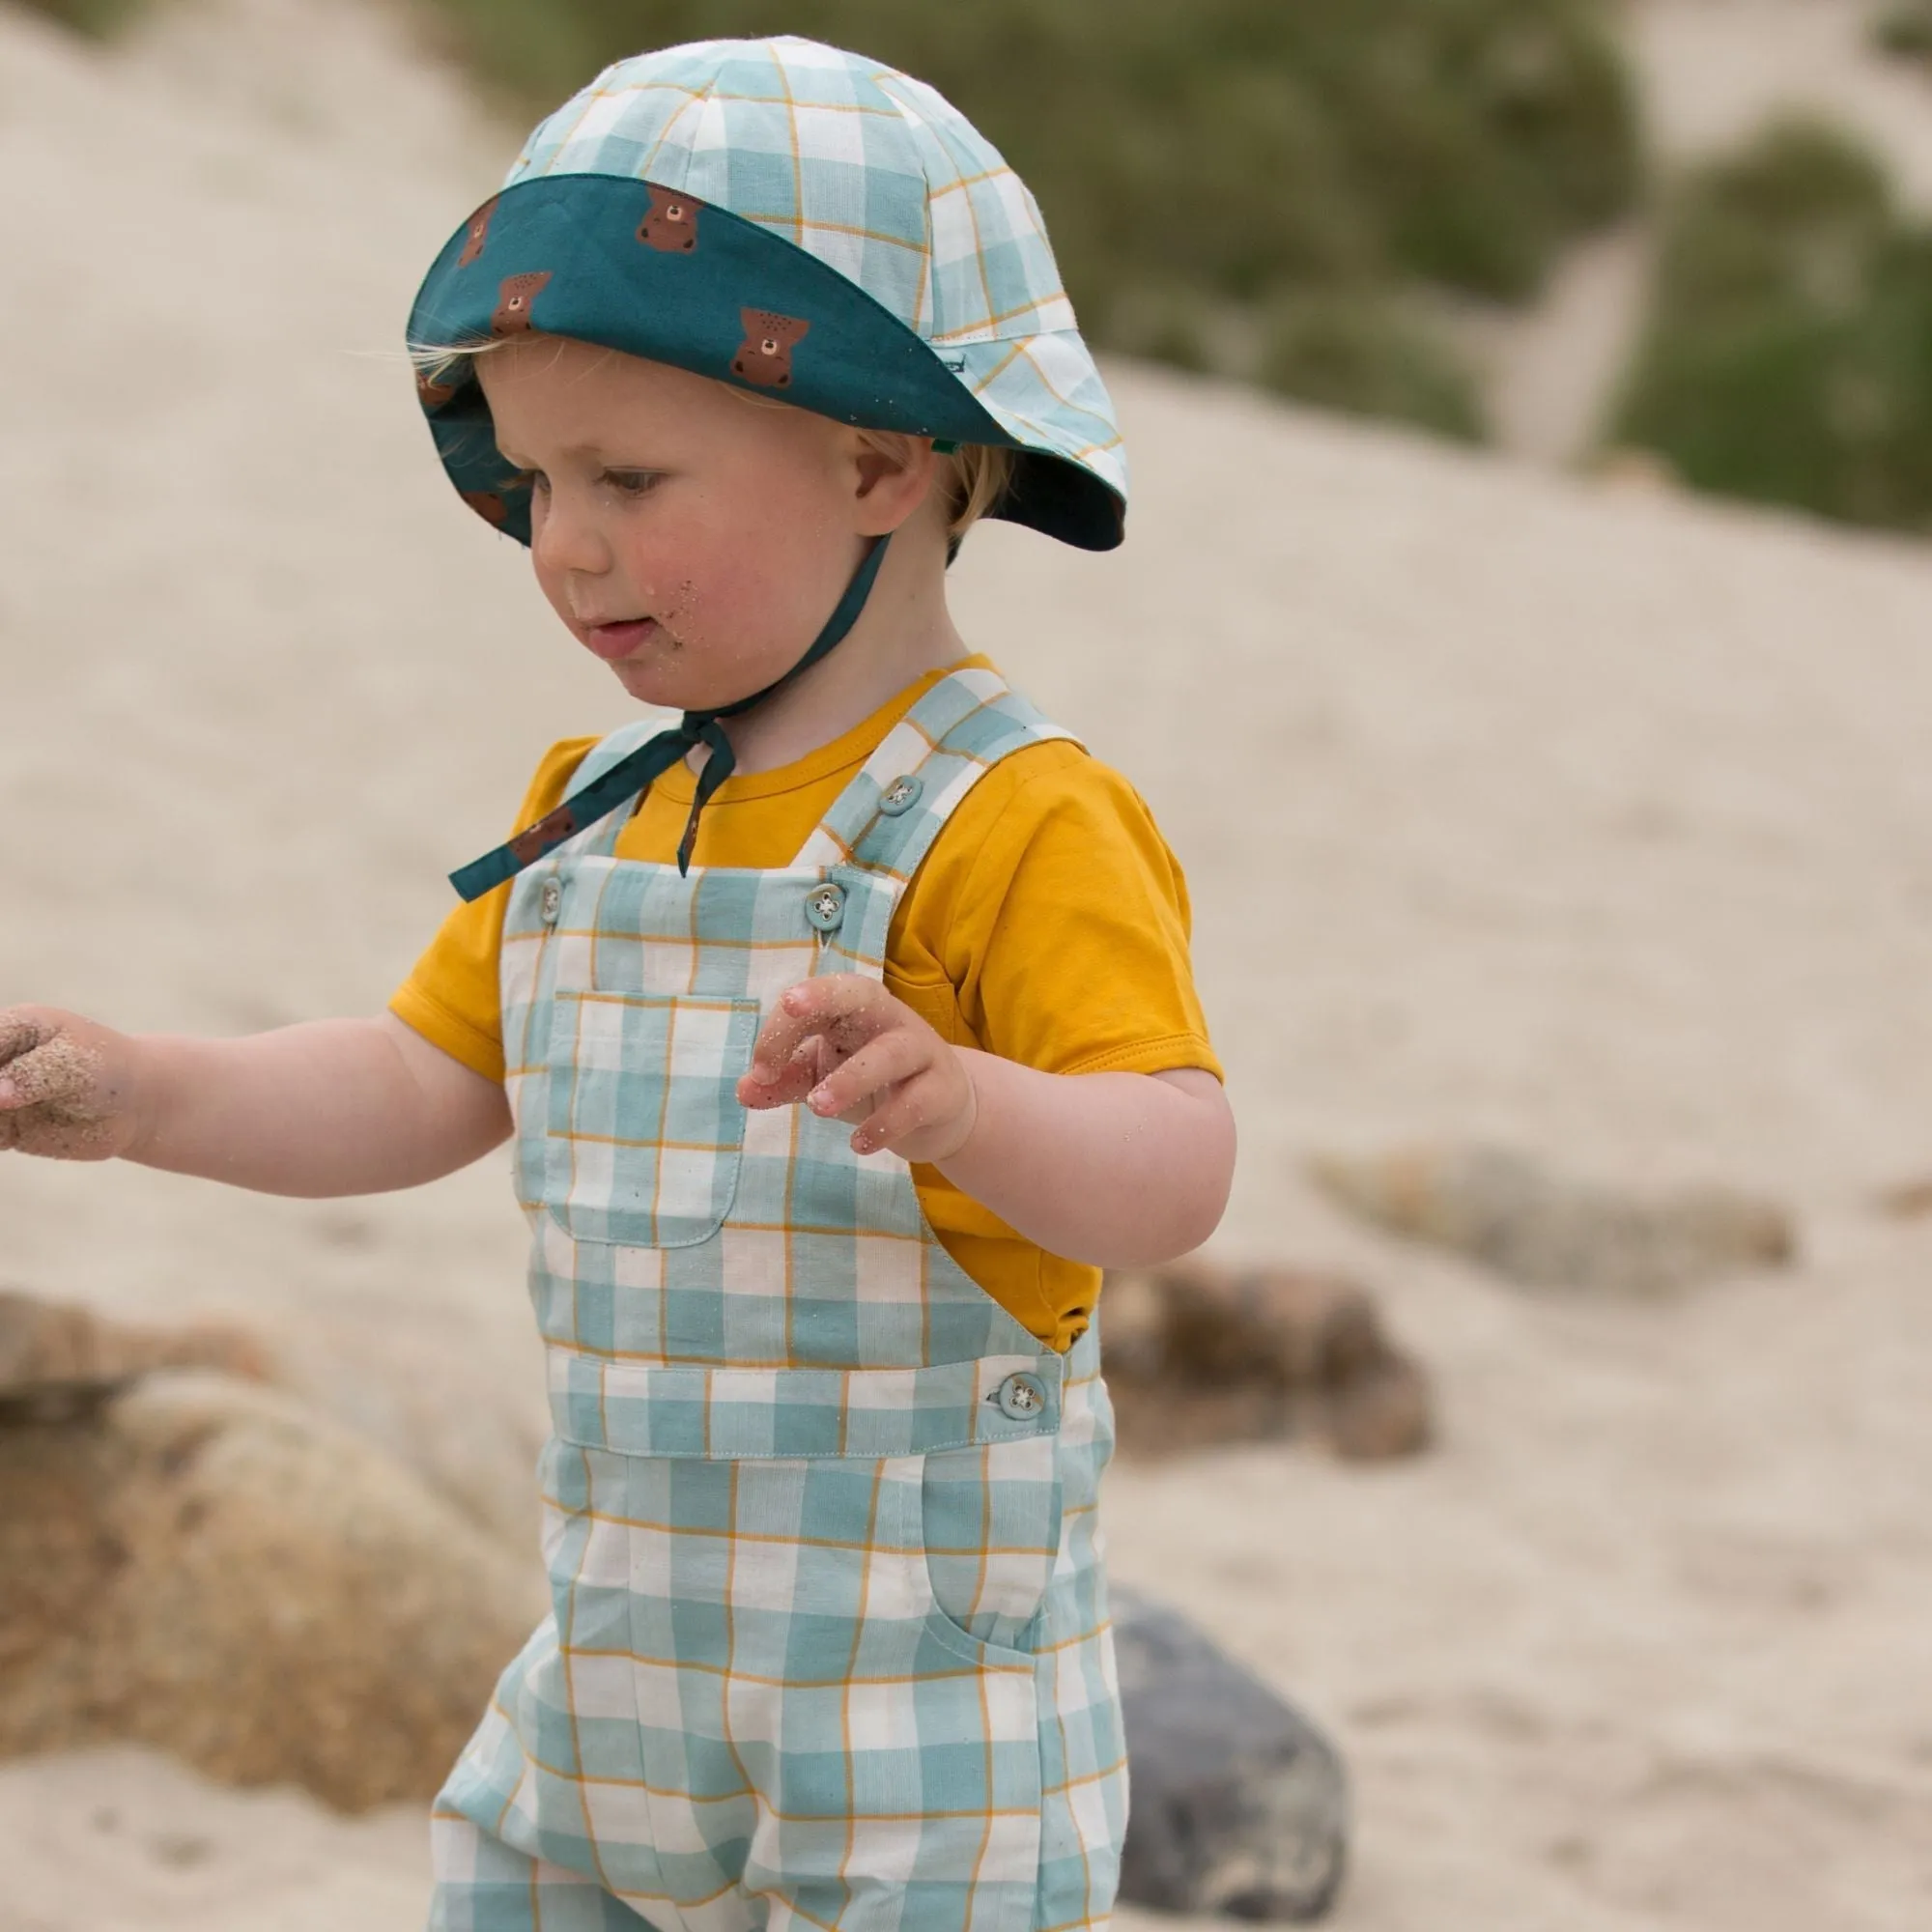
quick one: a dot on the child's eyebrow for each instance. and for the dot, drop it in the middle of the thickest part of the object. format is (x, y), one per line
(588, 452)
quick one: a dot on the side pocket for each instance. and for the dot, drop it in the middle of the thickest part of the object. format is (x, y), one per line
(990, 1518)
(644, 1129)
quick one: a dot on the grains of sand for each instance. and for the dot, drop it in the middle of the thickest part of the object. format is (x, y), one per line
(59, 1105)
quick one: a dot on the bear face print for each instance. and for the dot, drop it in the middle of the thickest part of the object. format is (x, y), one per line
(534, 841)
(514, 302)
(479, 232)
(766, 355)
(488, 505)
(671, 225)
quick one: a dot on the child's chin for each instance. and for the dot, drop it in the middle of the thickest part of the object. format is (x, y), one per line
(669, 687)
(652, 682)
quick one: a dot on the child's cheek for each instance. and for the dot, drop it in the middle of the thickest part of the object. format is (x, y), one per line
(680, 611)
(550, 583)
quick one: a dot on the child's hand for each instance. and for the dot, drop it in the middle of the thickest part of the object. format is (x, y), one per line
(845, 1047)
(66, 1086)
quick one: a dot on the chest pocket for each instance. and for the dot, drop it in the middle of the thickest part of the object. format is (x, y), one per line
(644, 1132)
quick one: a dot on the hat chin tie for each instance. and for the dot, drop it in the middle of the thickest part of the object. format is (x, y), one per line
(636, 773)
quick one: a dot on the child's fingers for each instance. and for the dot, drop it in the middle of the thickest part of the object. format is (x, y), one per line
(54, 1069)
(19, 1030)
(787, 1085)
(907, 1109)
(23, 1077)
(896, 1055)
(58, 1094)
(20, 1033)
(847, 1008)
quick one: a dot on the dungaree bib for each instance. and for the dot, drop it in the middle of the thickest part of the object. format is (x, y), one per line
(829, 1642)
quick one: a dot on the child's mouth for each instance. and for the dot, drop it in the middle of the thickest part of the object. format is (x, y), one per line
(611, 642)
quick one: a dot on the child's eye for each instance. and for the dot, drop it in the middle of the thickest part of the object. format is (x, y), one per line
(628, 482)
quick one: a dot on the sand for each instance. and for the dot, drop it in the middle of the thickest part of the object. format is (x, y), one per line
(1591, 820)
(57, 1108)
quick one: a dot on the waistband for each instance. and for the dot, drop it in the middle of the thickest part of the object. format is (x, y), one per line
(736, 1415)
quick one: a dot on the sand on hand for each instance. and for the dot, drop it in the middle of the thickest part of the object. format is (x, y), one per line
(60, 1116)
(1514, 809)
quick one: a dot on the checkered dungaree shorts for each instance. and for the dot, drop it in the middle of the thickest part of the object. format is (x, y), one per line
(829, 1642)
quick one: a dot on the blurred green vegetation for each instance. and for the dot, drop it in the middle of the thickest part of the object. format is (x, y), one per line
(1208, 171)
(96, 18)
(1788, 358)
(1904, 28)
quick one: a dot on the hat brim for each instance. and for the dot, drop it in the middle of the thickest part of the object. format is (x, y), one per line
(633, 266)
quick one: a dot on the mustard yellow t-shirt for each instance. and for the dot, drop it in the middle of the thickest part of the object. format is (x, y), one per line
(1048, 923)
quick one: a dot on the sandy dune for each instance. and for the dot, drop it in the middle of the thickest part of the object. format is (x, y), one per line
(1595, 822)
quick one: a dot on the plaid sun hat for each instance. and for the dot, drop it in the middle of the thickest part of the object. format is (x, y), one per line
(804, 223)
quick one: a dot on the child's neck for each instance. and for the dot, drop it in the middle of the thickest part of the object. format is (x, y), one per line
(904, 631)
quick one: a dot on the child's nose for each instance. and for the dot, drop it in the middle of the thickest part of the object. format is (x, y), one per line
(566, 539)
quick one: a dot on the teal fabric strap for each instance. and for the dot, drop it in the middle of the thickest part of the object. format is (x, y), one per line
(636, 773)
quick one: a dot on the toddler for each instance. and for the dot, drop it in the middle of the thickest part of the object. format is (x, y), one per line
(845, 1031)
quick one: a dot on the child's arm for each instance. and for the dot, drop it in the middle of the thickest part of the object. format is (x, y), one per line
(351, 1106)
(1117, 1169)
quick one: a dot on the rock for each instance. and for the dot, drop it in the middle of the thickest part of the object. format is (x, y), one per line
(1503, 1210)
(470, 1427)
(207, 1566)
(1197, 1354)
(57, 1360)
(1908, 1200)
(1239, 1805)
(387, 1371)
(1639, 470)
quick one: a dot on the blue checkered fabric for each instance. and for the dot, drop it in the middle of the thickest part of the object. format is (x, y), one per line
(829, 1644)
(881, 178)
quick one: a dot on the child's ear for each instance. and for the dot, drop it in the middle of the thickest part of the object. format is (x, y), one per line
(894, 475)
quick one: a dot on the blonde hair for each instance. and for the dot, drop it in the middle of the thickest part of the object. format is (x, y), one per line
(979, 475)
(982, 472)
(433, 360)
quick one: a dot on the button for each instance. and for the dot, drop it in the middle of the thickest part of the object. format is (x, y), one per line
(901, 795)
(551, 901)
(1020, 1397)
(825, 906)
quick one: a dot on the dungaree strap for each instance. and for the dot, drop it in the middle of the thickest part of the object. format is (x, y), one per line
(886, 819)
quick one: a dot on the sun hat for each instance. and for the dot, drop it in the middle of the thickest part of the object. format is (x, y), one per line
(810, 226)
(798, 221)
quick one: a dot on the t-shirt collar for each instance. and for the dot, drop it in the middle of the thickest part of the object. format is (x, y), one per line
(847, 753)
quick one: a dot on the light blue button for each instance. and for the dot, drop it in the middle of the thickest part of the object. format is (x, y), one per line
(1022, 1398)
(901, 795)
(550, 900)
(825, 906)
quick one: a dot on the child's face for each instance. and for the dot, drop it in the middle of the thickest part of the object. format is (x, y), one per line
(693, 539)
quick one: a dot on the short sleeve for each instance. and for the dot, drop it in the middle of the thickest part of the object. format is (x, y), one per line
(1060, 917)
(453, 996)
